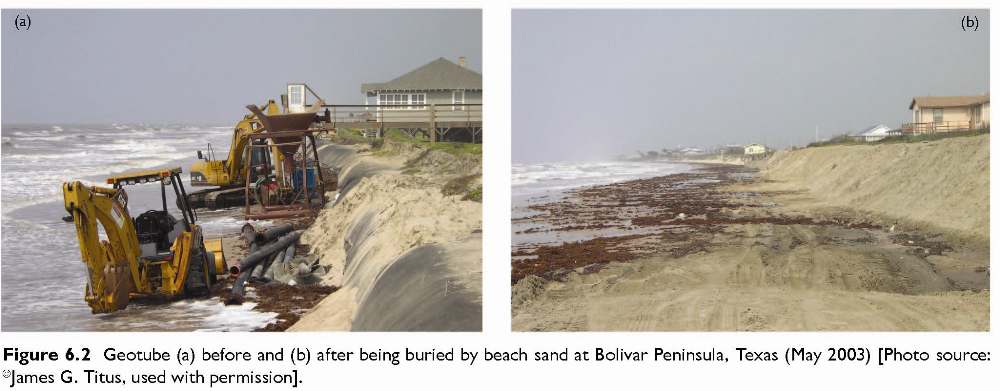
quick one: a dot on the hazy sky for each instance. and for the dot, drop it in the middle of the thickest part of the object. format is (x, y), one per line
(204, 66)
(592, 84)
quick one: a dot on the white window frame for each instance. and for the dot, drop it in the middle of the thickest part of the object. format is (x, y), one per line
(392, 99)
(396, 98)
(296, 96)
(413, 101)
(456, 101)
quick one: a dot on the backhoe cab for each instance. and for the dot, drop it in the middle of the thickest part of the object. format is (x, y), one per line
(154, 256)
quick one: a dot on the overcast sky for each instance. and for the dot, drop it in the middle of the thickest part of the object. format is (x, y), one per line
(204, 66)
(592, 84)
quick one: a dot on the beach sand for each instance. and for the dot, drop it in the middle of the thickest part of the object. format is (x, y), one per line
(405, 255)
(724, 249)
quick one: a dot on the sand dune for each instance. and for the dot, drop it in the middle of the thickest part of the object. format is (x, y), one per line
(945, 183)
(392, 238)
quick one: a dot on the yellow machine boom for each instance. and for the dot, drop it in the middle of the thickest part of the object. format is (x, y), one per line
(163, 258)
(229, 172)
(112, 270)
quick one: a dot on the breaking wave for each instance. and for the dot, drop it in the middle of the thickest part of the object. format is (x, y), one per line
(538, 178)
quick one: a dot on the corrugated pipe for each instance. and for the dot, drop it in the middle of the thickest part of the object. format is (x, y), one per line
(252, 260)
(251, 236)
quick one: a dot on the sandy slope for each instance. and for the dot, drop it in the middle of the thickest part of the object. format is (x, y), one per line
(945, 183)
(394, 234)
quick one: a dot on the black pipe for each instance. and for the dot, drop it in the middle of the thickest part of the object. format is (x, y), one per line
(251, 236)
(259, 270)
(235, 269)
(274, 232)
(255, 258)
(263, 252)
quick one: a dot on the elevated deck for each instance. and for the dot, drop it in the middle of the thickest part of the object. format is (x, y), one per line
(441, 118)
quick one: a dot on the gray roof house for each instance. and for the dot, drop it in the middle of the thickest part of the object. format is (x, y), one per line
(441, 92)
(437, 82)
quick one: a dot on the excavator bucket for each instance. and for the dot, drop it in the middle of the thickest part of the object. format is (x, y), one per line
(112, 291)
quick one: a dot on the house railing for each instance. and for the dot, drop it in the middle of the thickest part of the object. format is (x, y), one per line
(407, 116)
(936, 127)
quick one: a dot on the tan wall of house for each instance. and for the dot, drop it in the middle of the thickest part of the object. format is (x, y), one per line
(951, 114)
(986, 115)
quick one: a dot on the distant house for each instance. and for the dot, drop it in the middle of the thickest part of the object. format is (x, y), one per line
(692, 151)
(932, 114)
(754, 149)
(755, 152)
(876, 133)
(444, 91)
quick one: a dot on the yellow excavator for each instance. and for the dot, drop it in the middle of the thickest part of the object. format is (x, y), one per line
(154, 256)
(227, 176)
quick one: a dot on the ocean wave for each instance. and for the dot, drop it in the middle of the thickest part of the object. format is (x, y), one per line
(44, 138)
(545, 177)
(43, 185)
(37, 160)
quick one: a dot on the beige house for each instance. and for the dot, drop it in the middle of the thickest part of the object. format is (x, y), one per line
(933, 114)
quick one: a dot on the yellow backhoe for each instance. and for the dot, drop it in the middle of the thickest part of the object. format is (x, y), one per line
(154, 256)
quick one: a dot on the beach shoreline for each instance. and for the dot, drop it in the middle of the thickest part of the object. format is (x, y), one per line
(724, 249)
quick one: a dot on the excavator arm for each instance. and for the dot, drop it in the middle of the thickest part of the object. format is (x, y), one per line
(229, 172)
(113, 264)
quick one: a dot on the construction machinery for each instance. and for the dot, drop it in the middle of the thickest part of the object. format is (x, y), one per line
(294, 186)
(153, 256)
(227, 177)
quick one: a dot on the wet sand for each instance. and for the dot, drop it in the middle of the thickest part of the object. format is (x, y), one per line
(708, 251)
(287, 302)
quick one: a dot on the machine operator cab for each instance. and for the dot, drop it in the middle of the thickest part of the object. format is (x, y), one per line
(157, 229)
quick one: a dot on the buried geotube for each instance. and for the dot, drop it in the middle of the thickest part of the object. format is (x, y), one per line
(255, 258)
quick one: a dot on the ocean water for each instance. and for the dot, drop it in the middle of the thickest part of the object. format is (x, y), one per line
(41, 273)
(543, 182)
(540, 183)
